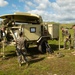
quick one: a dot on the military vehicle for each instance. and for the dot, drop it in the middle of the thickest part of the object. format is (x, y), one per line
(36, 32)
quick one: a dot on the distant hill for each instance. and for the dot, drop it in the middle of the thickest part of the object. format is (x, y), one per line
(52, 23)
(68, 25)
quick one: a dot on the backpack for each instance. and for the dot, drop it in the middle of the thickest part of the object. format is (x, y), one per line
(49, 49)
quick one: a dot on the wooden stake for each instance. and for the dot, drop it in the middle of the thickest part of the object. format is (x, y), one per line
(3, 48)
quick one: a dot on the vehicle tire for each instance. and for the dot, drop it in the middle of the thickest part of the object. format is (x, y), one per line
(42, 46)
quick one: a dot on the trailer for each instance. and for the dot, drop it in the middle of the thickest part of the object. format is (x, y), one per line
(53, 30)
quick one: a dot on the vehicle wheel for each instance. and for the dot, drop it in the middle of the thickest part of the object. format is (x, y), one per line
(42, 46)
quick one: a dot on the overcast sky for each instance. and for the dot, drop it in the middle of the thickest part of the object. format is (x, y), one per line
(62, 11)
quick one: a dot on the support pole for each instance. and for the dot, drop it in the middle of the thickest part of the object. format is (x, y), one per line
(59, 37)
(3, 49)
(3, 46)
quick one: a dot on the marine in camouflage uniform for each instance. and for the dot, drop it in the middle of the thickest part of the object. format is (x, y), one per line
(73, 27)
(63, 32)
(67, 39)
(1, 35)
(21, 50)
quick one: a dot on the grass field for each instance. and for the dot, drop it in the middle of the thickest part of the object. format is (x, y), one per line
(39, 64)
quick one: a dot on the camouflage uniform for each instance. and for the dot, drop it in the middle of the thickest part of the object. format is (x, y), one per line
(74, 40)
(21, 50)
(64, 32)
(1, 35)
(67, 38)
(73, 27)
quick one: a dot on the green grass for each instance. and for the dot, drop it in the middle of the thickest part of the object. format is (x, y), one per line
(40, 64)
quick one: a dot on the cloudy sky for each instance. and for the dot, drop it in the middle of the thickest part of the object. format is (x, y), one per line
(62, 11)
